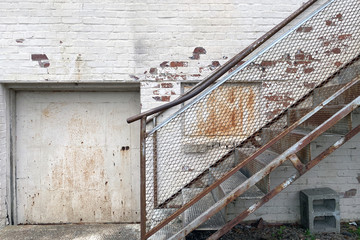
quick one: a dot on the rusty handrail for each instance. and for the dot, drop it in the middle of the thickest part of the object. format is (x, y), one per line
(224, 68)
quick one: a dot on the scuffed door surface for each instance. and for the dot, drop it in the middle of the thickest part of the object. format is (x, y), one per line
(77, 160)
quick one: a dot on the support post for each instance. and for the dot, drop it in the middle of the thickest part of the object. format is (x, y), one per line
(143, 177)
(155, 165)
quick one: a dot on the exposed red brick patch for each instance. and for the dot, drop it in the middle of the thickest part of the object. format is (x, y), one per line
(339, 16)
(350, 193)
(291, 70)
(308, 70)
(164, 64)
(172, 92)
(300, 55)
(336, 50)
(38, 57)
(153, 71)
(20, 40)
(268, 63)
(42, 59)
(274, 113)
(296, 63)
(309, 85)
(166, 85)
(326, 43)
(182, 76)
(134, 77)
(215, 63)
(304, 29)
(212, 66)
(265, 84)
(196, 75)
(197, 51)
(156, 92)
(282, 99)
(329, 23)
(165, 98)
(178, 64)
(345, 36)
(236, 66)
(44, 64)
(338, 64)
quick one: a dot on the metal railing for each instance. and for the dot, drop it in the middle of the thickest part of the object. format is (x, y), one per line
(195, 146)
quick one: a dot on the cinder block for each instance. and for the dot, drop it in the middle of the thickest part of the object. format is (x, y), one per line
(319, 210)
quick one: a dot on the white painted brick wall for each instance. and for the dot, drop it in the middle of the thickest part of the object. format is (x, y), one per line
(3, 160)
(106, 41)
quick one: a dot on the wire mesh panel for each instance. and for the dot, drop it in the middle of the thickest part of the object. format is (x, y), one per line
(196, 146)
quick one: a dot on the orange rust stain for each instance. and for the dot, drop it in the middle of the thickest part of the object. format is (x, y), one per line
(46, 112)
(231, 96)
(80, 175)
(51, 108)
(224, 112)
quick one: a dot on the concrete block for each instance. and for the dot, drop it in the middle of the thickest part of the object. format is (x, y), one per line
(319, 210)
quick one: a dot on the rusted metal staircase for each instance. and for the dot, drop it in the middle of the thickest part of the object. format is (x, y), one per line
(209, 165)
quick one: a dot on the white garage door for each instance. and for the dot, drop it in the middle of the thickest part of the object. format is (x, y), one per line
(77, 160)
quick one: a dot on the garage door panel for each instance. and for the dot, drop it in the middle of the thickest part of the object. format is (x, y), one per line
(77, 158)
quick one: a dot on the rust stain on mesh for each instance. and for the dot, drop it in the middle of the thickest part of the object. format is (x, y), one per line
(226, 117)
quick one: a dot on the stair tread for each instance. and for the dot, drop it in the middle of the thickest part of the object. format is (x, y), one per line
(214, 223)
(234, 181)
(305, 132)
(265, 158)
(164, 233)
(169, 229)
(161, 213)
(341, 127)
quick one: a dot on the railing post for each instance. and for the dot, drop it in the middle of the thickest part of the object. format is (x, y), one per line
(155, 165)
(142, 177)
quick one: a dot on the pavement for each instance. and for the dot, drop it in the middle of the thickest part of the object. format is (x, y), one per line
(71, 231)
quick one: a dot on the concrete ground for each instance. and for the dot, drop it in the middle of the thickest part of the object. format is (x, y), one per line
(72, 231)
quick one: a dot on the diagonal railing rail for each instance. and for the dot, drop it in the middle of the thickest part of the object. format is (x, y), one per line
(196, 144)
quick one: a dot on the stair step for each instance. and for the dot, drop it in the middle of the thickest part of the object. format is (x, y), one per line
(170, 229)
(256, 165)
(214, 223)
(286, 142)
(321, 94)
(234, 181)
(165, 233)
(222, 168)
(342, 127)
